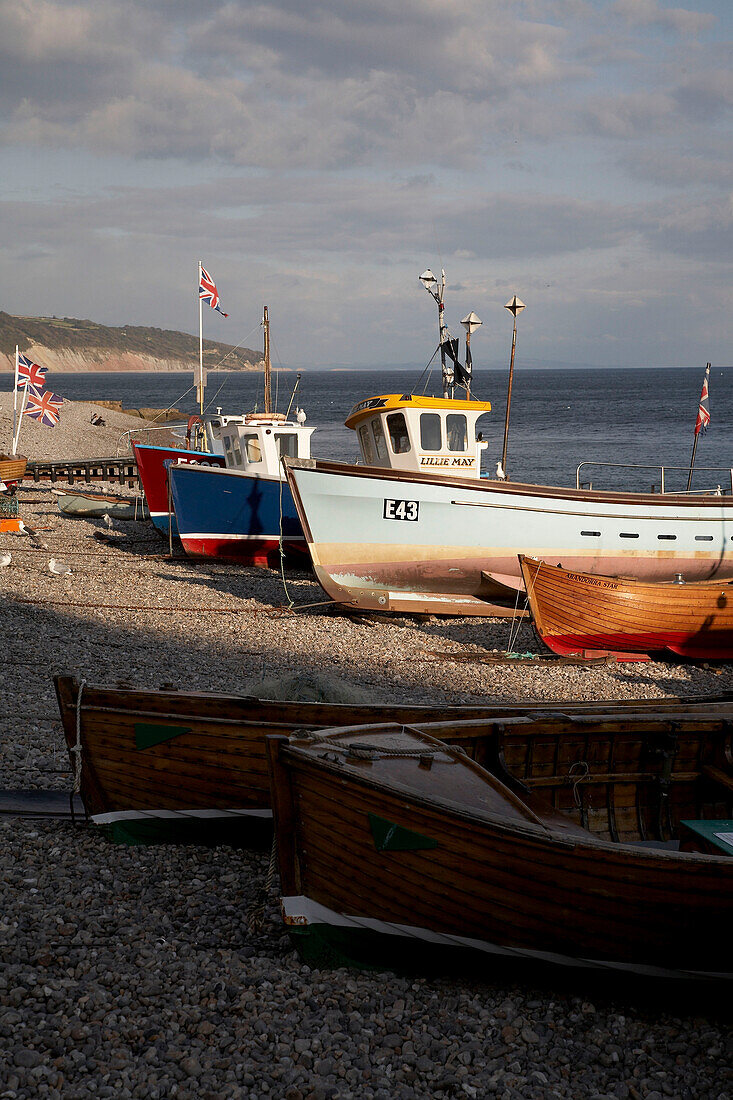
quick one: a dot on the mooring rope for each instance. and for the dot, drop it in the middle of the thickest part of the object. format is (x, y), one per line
(256, 913)
(370, 752)
(76, 749)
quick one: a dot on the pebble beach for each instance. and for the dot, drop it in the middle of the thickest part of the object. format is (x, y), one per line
(133, 972)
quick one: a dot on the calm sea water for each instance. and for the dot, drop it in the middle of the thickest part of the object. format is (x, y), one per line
(559, 418)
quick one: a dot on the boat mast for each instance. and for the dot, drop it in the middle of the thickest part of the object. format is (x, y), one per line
(515, 306)
(200, 377)
(268, 384)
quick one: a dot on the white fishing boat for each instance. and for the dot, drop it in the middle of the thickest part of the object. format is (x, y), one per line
(417, 528)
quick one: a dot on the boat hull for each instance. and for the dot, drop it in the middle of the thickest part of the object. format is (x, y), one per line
(459, 537)
(578, 612)
(90, 505)
(12, 469)
(152, 467)
(233, 515)
(157, 759)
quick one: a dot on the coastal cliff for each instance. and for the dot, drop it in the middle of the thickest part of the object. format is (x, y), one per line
(66, 344)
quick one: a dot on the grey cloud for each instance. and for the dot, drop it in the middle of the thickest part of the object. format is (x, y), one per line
(652, 13)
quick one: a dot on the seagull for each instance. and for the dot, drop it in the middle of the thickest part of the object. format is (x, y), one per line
(59, 568)
(500, 471)
(107, 521)
(5, 559)
(300, 416)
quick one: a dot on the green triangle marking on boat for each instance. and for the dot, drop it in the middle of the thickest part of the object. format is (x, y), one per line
(389, 837)
(148, 734)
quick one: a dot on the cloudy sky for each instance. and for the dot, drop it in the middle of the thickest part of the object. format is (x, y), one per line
(319, 154)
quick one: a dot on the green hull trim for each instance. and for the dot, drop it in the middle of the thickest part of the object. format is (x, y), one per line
(326, 946)
(389, 837)
(149, 734)
(243, 832)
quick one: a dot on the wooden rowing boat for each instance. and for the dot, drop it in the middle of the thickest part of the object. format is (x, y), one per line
(193, 766)
(580, 613)
(12, 468)
(611, 846)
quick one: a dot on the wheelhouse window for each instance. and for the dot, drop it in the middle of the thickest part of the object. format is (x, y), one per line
(431, 437)
(398, 435)
(379, 442)
(229, 453)
(456, 430)
(252, 448)
(367, 449)
(287, 444)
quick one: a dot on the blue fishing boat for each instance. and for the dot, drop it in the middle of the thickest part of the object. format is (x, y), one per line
(243, 512)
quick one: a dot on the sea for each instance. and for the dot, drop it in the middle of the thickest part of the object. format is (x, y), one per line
(638, 419)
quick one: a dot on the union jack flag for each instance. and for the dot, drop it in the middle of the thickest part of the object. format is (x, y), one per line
(44, 406)
(703, 409)
(209, 293)
(30, 374)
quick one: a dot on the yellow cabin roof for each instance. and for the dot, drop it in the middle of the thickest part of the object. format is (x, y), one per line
(390, 402)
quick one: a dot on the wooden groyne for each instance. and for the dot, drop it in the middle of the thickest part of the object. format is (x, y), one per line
(122, 470)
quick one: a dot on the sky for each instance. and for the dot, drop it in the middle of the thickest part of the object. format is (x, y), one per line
(318, 155)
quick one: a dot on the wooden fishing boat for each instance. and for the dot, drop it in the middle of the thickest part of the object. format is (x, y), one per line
(90, 505)
(12, 468)
(193, 765)
(592, 614)
(611, 847)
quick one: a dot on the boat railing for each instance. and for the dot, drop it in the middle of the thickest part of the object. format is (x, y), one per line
(125, 440)
(663, 471)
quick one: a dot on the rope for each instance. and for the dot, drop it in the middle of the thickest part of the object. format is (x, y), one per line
(577, 773)
(514, 633)
(256, 913)
(369, 752)
(75, 752)
(281, 548)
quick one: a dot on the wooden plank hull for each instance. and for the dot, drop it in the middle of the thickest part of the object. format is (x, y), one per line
(575, 612)
(13, 469)
(457, 864)
(158, 753)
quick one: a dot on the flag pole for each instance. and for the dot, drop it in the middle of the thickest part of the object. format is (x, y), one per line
(23, 403)
(692, 462)
(200, 379)
(15, 397)
(699, 424)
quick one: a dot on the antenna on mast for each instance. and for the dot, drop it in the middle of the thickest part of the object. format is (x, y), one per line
(437, 290)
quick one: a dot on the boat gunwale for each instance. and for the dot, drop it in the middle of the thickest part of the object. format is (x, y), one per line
(541, 833)
(489, 485)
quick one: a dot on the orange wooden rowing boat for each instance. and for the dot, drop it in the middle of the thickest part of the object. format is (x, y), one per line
(588, 614)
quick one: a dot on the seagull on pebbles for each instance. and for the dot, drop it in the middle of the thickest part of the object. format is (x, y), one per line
(5, 559)
(59, 568)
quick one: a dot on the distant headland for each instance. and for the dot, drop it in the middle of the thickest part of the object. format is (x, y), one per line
(68, 344)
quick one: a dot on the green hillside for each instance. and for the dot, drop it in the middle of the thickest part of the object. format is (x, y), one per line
(69, 332)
